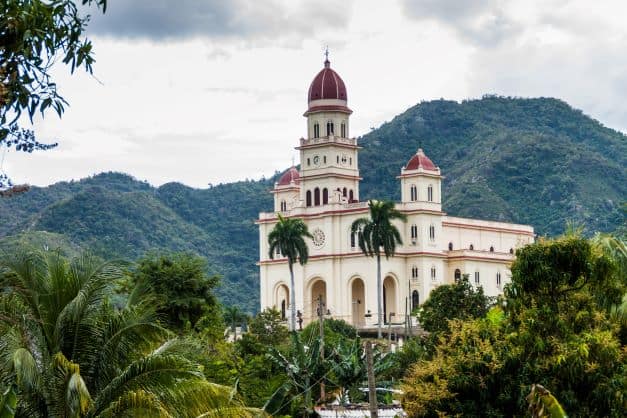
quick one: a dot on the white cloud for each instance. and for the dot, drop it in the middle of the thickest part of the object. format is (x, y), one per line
(200, 108)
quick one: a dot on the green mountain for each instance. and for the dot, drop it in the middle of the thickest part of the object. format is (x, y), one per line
(534, 161)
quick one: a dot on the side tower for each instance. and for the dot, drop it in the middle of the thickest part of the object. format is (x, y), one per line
(328, 155)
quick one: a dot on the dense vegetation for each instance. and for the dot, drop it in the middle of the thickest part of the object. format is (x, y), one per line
(535, 161)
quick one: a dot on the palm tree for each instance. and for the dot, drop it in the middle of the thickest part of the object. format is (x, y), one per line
(69, 353)
(375, 234)
(232, 316)
(288, 238)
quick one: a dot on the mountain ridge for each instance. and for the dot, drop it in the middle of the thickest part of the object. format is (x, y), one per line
(531, 161)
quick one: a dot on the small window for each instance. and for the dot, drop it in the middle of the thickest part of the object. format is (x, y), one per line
(458, 275)
(498, 279)
(511, 251)
(316, 130)
(477, 281)
(413, 193)
(324, 159)
(308, 162)
(343, 129)
(344, 192)
(491, 249)
(472, 247)
(433, 273)
(350, 161)
(316, 197)
(354, 239)
(308, 198)
(337, 158)
(414, 232)
(414, 272)
(283, 205)
(450, 246)
(430, 193)
(432, 233)
(325, 196)
(329, 128)
(415, 299)
(350, 196)
(278, 252)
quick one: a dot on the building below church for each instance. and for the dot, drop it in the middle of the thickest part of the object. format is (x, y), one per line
(437, 248)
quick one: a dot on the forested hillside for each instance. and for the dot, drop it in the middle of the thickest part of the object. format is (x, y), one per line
(535, 161)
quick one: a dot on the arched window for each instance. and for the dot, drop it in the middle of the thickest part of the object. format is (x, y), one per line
(450, 246)
(350, 161)
(414, 272)
(433, 272)
(477, 277)
(415, 299)
(325, 196)
(337, 159)
(432, 233)
(344, 192)
(498, 279)
(414, 233)
(413, 193)
(511, 251)
(308, 162)
(324, 159)
(350, 195)
(458, 275)
(430, 193)
(283, 205)
(308, 198)
(316, 197)
(343, 129)
(491, 249)
(471, 248)
(316, 130)
(329, 128)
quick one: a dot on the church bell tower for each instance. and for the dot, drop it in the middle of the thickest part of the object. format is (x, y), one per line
(328, 156)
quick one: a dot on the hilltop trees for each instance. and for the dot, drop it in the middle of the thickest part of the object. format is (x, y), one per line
(377, 234)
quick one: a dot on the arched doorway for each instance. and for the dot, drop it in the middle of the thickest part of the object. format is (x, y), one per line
(415, 299)
(282, 300)
(358, 296)
(318, 291)
(389, 298)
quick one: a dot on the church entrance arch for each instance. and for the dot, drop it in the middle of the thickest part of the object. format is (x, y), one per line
(282, 300)
(389, 298)
(358, 299)
(318, 291)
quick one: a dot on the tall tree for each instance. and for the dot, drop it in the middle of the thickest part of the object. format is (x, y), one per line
(288, 237)
(68, 353)
(377, 234)
(33, 36)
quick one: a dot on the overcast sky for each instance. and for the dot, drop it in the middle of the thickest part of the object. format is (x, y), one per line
(210, 91)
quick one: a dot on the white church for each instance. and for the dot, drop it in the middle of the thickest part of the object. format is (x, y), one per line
(437, 248)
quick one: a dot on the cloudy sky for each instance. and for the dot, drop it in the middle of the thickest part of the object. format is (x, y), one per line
(210, 91)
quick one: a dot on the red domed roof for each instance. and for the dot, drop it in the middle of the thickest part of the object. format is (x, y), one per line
(420, 160)
(327, 85)
(290, 175)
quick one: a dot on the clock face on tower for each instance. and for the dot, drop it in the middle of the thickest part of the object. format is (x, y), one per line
(318, 238)
(316, 160)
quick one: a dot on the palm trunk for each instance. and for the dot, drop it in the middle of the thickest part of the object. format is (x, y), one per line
(379, 302)
(292, 299)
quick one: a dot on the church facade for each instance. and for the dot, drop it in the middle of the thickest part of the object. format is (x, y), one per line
(437, 248)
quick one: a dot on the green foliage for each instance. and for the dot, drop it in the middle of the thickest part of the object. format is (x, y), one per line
(553, 332)
(534, 161)
(34, 35)
(180, 286)
(453, 301)
(335, 330)
(542, 404)
(8, 403)
(377, 231)
(69, 353)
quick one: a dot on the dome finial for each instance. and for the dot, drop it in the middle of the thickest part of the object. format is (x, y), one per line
(327, 63)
